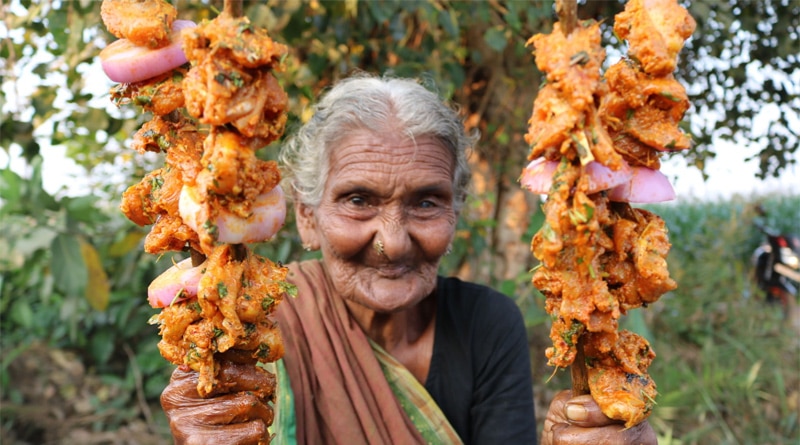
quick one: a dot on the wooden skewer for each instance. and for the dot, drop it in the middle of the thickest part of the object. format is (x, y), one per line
(567, 11)
(233, 8)
(197, 257)
(578, 371)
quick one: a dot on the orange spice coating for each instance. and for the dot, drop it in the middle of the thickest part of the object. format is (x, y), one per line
(600, 259)
(143, 22)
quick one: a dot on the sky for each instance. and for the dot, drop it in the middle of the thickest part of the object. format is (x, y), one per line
(729, 174)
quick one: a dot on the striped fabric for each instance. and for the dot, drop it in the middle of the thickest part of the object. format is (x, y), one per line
(415, 400)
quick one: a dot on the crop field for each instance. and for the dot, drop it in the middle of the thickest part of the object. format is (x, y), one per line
(728, 363)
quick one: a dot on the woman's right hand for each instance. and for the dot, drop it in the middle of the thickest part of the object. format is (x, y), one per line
(579, 421)
(235, 413)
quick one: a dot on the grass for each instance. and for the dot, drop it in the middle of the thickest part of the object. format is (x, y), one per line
(728, 365)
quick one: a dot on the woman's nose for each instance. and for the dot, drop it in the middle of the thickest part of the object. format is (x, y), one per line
(392, 239)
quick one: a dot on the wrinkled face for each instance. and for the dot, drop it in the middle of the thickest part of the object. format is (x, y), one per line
(385, 219)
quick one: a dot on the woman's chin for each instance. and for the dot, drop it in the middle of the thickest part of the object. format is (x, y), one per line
(391, 295)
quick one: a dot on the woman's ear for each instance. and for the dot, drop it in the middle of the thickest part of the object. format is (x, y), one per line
(306, 226)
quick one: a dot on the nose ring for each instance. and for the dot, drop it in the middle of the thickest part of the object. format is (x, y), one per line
(378, 246)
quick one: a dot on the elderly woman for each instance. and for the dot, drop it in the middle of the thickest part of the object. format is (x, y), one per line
(379, 348)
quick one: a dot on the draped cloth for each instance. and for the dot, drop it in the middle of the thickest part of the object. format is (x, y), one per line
(340, 393)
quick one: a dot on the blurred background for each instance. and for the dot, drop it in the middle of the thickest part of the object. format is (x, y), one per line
(78, 360)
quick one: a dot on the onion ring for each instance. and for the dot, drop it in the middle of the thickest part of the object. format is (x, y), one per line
(645, 186)
(538, 176)
(178, 283)
(267, 217)
(124, 62)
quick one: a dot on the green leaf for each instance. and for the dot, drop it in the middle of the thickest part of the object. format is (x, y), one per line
(496, 38)
(83, 209)
(21, 313)
(10, 191)
(95, 119)
(101, 345)
(38, 237)
(69, 269)
(447, 19)
(36, 197)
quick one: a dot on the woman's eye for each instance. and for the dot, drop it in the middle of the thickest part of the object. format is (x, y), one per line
(427, 204)
(357, 201)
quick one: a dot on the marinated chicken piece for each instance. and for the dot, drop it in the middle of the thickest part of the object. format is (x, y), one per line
(137, 203)
(234, 39)
(143, 22)
(571, 62)
(636, 269)
(231, 168)
(229, 180)
(218, 93)
(600, 259)
(180, 316)
(647, 108)
(235, 298)
(175, 135)
(154, 200)
(159, 95)
(618, 379)
(650, 257)
(655, 31)
(638, 89)
(170, 234)
(634, 152)
(565, 121)
(231, 79)
(550, 124)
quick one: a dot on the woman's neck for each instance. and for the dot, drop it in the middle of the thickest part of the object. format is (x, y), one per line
(406, 335)
(396, 330)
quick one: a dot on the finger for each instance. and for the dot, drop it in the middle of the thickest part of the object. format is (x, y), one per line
(250, 433)
(583, 411)
(223, 410)
(556, 410)
(232, 377)
(611, 434)
(242, 407)
(238, 377)
(182, 387)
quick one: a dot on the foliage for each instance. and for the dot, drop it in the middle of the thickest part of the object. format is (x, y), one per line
(72, 278)
(743, 67)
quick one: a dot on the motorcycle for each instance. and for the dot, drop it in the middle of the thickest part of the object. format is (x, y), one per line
(776, 265)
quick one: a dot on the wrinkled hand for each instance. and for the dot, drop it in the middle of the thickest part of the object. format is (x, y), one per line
(579, 421)
(235, 413)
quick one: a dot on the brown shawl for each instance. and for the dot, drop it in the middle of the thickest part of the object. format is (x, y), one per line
(340, 392)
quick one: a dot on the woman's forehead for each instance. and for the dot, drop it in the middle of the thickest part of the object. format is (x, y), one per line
(376, 161)
(389, 149)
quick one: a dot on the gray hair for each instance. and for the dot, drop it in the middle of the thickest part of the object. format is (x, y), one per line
(366, 102)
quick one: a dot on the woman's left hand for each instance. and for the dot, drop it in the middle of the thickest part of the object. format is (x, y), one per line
(579, 421)
(235, 413)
